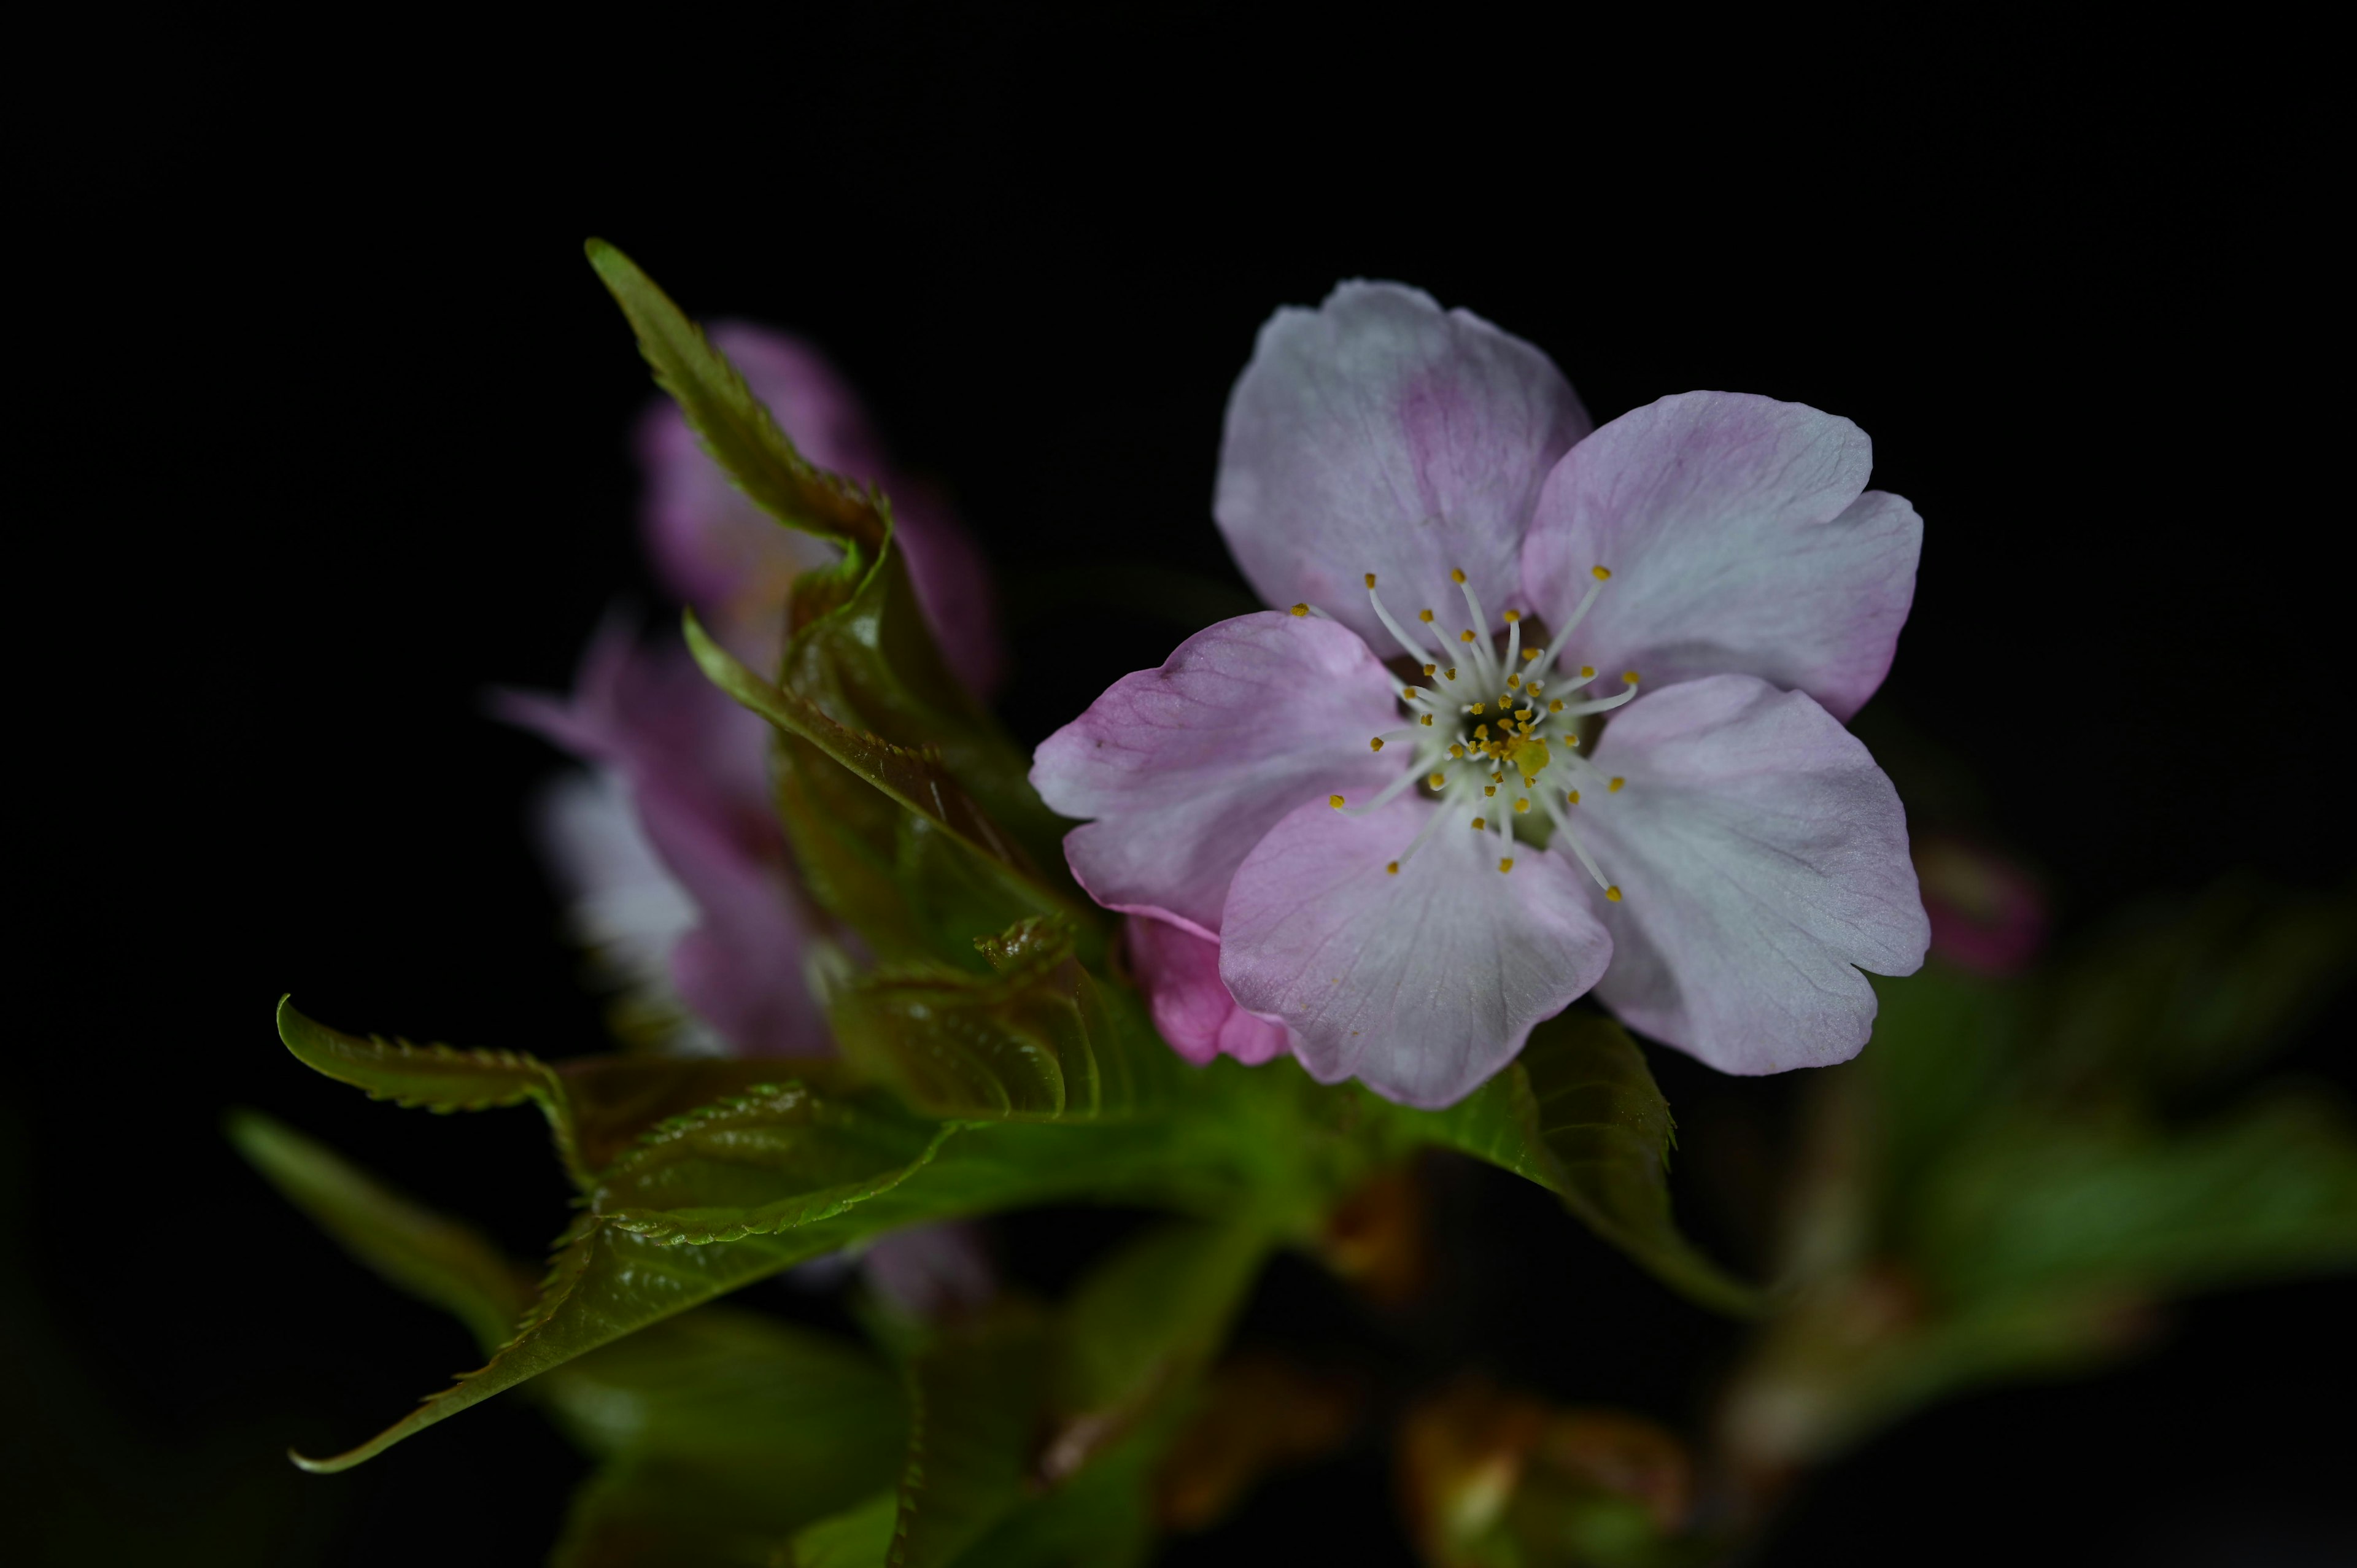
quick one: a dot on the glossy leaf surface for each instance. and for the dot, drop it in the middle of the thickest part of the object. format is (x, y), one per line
(596, 1106)
(1040, 1039)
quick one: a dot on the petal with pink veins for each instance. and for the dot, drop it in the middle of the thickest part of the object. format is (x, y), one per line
(1184, 768)
(1179, 972)
(1419, 984)
(1738, 543)
(1762, 862)
(1379, 434)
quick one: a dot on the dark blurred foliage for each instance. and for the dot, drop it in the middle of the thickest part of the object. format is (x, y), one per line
(324, 431)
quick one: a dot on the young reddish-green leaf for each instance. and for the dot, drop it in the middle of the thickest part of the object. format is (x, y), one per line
(434, 1258)
(1579, 1114)
(597, 1106)
(914, 776)
(734, 426)
(1040, 1039)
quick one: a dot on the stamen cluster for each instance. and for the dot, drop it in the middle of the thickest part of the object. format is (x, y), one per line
(1466, 764)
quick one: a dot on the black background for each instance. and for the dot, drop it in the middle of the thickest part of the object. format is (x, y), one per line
(323, 432)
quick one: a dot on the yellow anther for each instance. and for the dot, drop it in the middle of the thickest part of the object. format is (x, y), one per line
(1456, 576)
(1555, 707)
(1488, 789)
(1513, 615)
(1522, 805)
(1430, 670)
(1480, 732)
(1376, 743)
(1477, 707)
(1524, 713)
(1571, 797)
(1506, 865)
(1529, 654)
(1424, 615)
(1452, 672)
(1426, 721)
(1479, 824)
(1601, 574)
(1613, 894)
(1588, 672)
(1465, 636)
(1392, 869)
(1513, 682)
(1407, 694)
(1371, 579)
(1436, 780)
(1301, 609)
(1614, 788)
(1630, 676)
(1455, 751)
(1571, 740)
(1335, 802)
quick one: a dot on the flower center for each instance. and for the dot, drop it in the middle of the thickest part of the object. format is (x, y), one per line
(1489, 742)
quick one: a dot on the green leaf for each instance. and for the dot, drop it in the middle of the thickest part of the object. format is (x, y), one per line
(433, 1258)
(2037, 1204)
(778, 1159)
(1101, 1518)
(724, 1433)
(789, 1176)
(1945, 1048)
(1151, 1319)
(1040, 1039)
(1579, 1114)
(975, 1399)
(440, 1078)
(597, 1106)
(2180, 999)
(868, 661)
(914, 776)
(734, 426)
(857, 1537)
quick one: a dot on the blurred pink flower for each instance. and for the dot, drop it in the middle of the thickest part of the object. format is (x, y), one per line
(1987, 914)
(731, 561)
(667, 848)
(1754, 580)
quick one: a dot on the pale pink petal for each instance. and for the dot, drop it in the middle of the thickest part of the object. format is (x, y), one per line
(694, 771)
(1738, 543)
(1379, 434)
(1186, 767)
(1179, 972)
(730, 560)
(1760, 855)
(1420, 984)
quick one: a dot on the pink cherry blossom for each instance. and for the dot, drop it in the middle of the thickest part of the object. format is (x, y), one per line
(1422, 806)
(668, 850)
(733, 563)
